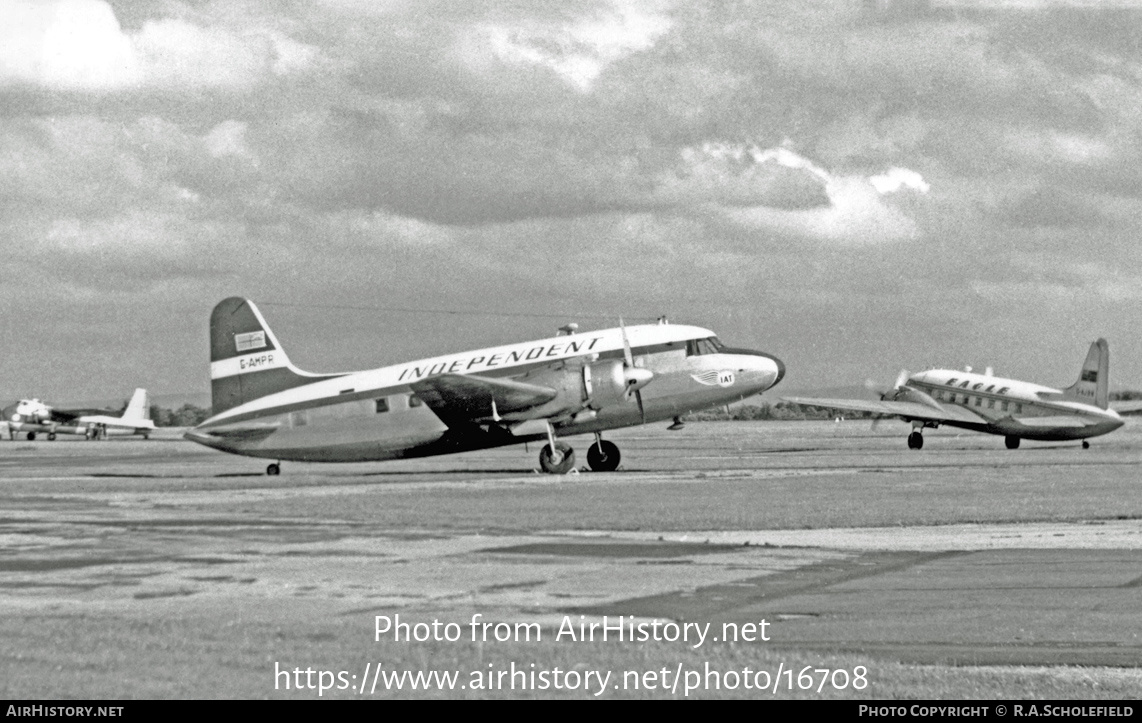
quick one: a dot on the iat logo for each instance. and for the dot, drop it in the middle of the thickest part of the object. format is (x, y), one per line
(711, 378)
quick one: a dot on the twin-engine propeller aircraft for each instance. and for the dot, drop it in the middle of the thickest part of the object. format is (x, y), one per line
(264, 406)
(32, 416)
(983, 403)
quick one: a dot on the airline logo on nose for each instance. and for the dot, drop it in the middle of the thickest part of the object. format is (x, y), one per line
(715, 378)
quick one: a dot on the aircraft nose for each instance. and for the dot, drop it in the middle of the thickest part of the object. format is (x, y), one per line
(768, 366)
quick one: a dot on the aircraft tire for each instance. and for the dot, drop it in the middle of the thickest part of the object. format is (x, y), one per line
(603, 456)
(547, 458)
(1086, 444)
(31, 436)
(274, 470)
(1011, 441)
(915, 440)
(51, 436)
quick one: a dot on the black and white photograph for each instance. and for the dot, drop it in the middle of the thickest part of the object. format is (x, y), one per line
(778, 350)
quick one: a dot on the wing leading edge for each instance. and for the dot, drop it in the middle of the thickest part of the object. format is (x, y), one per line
(466, 398)
(909, 410)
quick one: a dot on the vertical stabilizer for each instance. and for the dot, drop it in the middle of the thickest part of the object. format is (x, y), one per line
(1093, 384)
(138, 407)
(246, 360)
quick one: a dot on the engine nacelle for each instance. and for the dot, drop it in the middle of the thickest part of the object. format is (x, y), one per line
(607, 383)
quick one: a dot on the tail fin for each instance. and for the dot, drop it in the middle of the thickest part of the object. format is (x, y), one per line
(138, 407)
(246, 360)
(1094, 379)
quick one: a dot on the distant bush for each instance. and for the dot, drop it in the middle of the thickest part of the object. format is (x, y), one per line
(766, 411)
(187, 415)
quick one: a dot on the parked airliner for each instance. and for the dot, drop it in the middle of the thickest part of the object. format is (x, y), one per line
(983, 403)
(574, 383)
(31, 416)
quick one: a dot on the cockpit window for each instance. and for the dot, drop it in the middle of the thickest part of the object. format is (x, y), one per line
(699, 347)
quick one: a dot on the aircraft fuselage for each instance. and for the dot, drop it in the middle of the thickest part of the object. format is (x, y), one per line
(1011, 407)
(376, 414)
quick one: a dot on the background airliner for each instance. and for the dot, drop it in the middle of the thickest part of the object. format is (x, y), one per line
(31, 416)
(587, 383)
(983, 403)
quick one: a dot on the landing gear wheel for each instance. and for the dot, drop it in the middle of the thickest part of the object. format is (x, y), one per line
(603, 456)
(274, 470)
(51, 436)
(1086, 444)
(1011, 441)
(559, 461)
(31, 436)
(915, 440)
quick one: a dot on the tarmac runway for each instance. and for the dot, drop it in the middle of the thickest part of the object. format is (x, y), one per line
(161, 569)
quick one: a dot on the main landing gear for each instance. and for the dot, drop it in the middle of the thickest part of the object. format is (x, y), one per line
(1086, 444)
(274, 469)
(915, 440)
(1011, 441)
(603, 456)
(559, 458)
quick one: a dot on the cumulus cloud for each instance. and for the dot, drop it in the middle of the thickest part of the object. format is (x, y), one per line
(895, 179)
(577, 51)
(79, 45)
(778, 190)
(742, 175)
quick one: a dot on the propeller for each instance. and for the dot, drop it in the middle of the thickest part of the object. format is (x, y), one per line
(636, 378)
(889, 395)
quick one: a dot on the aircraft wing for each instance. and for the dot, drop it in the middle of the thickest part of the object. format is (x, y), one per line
(911, 410)
(465, 398)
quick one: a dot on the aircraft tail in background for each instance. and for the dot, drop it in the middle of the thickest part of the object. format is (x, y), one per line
(139, 407)
(1092, 386)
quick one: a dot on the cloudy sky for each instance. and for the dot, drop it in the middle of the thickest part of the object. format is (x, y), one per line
(854, 187)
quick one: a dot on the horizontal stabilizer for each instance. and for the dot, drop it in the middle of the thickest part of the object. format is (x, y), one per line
(1057, 421)
(458, 398)
(247, 431)
(1129, 406)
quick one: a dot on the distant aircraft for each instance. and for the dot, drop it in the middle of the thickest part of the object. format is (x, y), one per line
(32, 416)
(264, 406)
(983, 403)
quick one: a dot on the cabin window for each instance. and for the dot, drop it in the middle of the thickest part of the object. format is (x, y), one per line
(382, 405)
(414, 401)
(1019, 409)
(991, 404)
(979, 401)
(700, 347)
(1003, 406)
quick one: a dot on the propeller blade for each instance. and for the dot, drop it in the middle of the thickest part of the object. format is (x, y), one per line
(901, 379)
(626, 344)
(641, 409)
